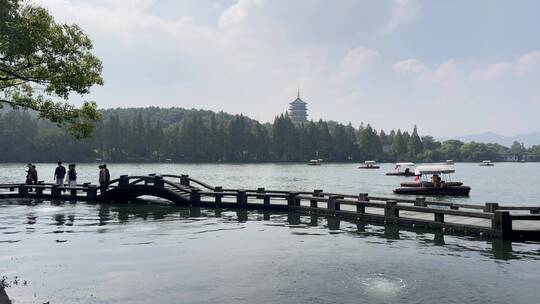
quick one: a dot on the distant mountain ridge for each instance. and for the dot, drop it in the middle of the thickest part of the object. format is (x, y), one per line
(528, 140)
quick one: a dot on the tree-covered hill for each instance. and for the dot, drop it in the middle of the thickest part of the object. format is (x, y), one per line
(185, 135)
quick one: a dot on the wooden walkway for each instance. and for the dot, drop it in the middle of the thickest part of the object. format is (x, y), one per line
(490, 219)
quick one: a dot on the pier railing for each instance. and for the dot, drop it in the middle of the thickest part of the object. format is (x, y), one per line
(489, 219)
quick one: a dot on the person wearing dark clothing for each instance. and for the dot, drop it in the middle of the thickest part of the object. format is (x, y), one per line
(60, 174)
(34, 175)
(29, 175)
(72, 176)
(104, 178)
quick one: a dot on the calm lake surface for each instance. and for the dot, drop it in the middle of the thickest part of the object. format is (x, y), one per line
(65, 252)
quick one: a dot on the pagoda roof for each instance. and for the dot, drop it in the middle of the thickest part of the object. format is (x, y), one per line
(298, 101)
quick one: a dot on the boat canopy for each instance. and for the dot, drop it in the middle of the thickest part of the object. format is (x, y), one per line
(405, 164)
(370, 162)
(486, 161)
(420, 170)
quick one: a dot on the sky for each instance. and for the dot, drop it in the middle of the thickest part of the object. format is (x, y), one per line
(450, 67)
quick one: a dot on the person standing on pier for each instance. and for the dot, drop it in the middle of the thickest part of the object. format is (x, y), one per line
(60, 174)
(29, 175)
(72, 176)
(104, 178)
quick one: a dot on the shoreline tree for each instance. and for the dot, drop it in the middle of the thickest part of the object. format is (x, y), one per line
(43, 62)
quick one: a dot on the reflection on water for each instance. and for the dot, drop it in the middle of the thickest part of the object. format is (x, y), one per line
(102, 253)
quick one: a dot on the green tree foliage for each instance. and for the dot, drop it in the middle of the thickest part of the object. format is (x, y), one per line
(42, 61)
(154, 134)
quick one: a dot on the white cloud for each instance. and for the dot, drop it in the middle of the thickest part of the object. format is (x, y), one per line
(356, 59)
(445, 73)
(409, 66)
(403, 11)
(521, 66)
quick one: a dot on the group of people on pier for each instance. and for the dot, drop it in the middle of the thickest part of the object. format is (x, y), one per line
(69, 175)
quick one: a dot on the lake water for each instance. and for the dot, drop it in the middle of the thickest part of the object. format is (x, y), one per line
(61, 252)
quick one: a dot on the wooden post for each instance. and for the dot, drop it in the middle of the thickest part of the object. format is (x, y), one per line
(123, 182)
(362, 197)
(73, 192)
(158, 182)
(491, 207)
(316, 193)
(23, 190)
(420, 202)
(292, 199)
(218, 196)
(184, 179)
(439, 217)
(91, 192)
(502, 223)
(391, 210)
(332, 204)
(241, 198)
(39, 191)
(260, 190)
(195, 196)
(55, 190)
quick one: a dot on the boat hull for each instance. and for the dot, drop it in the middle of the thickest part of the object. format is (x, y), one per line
(447, 191)
(428, 184)
(370, 167)
(400, 173)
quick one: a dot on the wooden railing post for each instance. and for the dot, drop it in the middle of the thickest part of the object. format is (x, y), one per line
(420, 202)
(362, 197)
(184, 179)
(218, 196)
(55, 190)
(391, 210)
(241, 197)
(73, 192)
(316, 193)
(260, 190)
(91, 192)
(332, 203)
(39, 190)
(23, 190)
(502, 223)
(292, 199)
(159, 182)
(195, 196)
(123, 182)
(439, 217)
(491, 207)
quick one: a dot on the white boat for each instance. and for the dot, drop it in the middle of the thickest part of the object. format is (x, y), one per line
(402, 169)
(369, 164)
(487, 163)
(315, 162)
(429, 182)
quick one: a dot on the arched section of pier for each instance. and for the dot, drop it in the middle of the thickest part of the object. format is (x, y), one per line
(127, 188)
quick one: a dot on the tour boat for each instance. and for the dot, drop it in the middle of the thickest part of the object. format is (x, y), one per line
(487, 163)
(449, 162)
(423, 186)
(405, 172)
(315, 162)
(369, 164)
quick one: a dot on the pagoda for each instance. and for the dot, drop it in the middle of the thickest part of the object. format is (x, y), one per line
(298, 110)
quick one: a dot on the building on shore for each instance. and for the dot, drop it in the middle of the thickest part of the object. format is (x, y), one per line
(298, 110)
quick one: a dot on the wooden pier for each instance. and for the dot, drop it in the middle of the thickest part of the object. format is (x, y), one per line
(489, 219)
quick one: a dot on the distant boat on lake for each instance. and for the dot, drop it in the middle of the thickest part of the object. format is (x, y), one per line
(405, 172)
(369, 164)
(487, 163)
